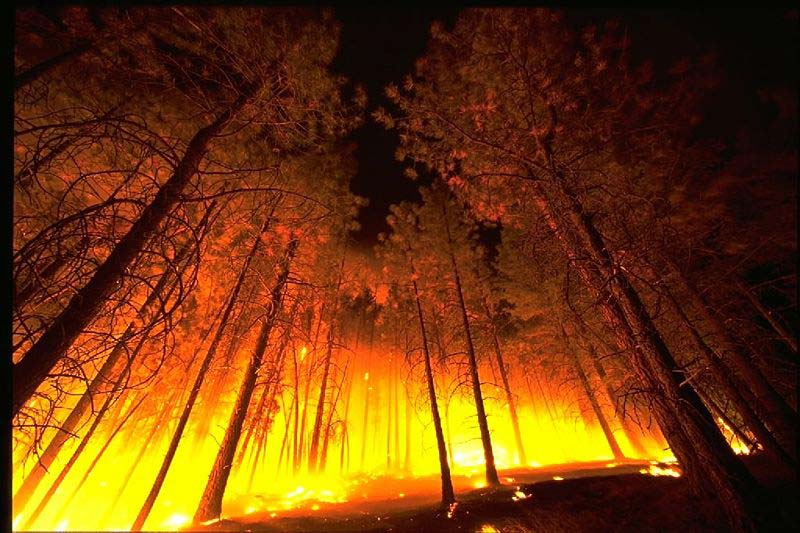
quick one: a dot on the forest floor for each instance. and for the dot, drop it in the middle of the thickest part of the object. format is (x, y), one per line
(591, 497)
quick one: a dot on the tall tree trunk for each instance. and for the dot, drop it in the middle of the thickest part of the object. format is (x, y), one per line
(210, 505)
(313, 451)
(288, 420)
(633, 433)
(396, 420)
(486, 439)
(345, 424)
(364, 425)
(97, 459)
(709, 464)
(731, 388)
(273, 384)
(156, 427)
(296, 408)
(448, 495)
(407, 460)
(147, 506)
(776, 412)
(103, 376)
(51, 346)
(587, 387)
(725, 419)
(323, 460)
(84, 442)
(512, 403)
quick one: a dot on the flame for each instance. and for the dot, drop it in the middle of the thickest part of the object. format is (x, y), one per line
(357, 452)
(176, 520)
(738, 447)
(452, 509)
(656, 470)
(519, 495)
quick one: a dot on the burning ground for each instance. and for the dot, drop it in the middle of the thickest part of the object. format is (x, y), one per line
(570, 498)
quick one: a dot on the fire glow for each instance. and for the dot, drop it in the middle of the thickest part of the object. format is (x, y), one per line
(271, 486)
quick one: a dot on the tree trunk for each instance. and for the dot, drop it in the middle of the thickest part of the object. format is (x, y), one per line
(364, 425)
(407, 460)
(631, 432)
(491, 472)
(147, 506)
(273, 385)
(512, 403)
(323, 460)
(587, 387)
(723, 377)
(210, 506)
(486, 439)
(158, 425)
(724, 418)
(78, 412)
(448, 496)
(313, 451)
(77, 453)
(96, 460)
(84, 306)
(708, 462)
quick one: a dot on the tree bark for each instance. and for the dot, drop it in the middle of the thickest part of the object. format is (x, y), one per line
(723, 377)
(313, 451)
(587, 387)
(708, 462)
(486, 439)
(448, 496)
(776, 412)
(512, 403)
(210, 506)
(147, 506)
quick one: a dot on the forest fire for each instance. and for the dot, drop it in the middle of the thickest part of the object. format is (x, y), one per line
(571, 298)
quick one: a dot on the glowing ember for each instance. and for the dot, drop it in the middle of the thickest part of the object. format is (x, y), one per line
(488, 528)
(452, 509)
(519, 495)
(176, 520)
(558, 478)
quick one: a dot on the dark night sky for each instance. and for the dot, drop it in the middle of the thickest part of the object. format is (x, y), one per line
(379, 46)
